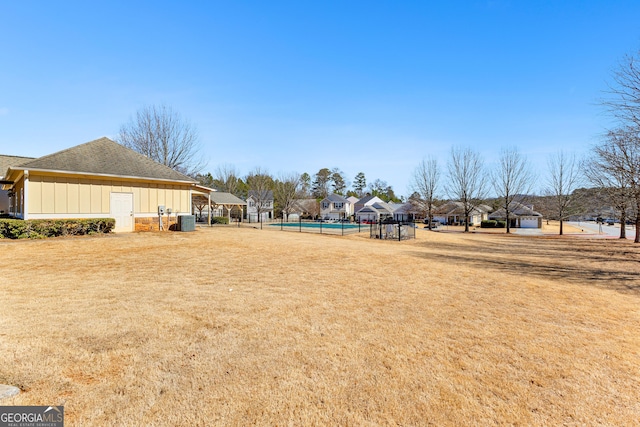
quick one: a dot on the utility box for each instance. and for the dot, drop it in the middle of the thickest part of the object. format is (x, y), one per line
(161, 210)
(187, 222)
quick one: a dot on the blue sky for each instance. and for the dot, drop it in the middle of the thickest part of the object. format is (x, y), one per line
(371, 86)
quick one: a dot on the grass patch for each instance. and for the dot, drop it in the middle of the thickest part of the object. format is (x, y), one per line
(293, 328)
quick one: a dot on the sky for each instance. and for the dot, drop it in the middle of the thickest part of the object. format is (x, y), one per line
(296, 86)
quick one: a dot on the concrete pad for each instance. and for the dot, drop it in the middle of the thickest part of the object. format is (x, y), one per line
(8, 391)
(527, 231)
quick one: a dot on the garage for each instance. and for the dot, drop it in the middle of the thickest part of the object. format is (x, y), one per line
(529, 222)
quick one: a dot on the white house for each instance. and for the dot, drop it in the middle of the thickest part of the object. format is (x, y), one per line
(335, 207)
(352, 204)
(521, 216)
(374, 212)
(366, 201)
(452, 213)
(259, 206)
(407, 212)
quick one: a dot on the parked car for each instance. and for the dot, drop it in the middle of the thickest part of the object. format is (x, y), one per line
(609, 221)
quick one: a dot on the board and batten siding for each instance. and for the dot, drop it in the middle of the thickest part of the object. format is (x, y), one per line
(75, 197)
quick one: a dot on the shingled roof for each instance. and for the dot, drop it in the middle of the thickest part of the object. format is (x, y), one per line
(221, 198)
(7, 161)
(104, 157)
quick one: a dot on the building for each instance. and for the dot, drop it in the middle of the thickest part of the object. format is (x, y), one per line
(260, 206)
(98, 179)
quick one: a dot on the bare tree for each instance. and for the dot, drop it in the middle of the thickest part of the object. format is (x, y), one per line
(617, 163)
(620, 154)
(564, 178)
(287, 190)
(467, 180)
(511, 181)
(425, 181)
(260, 185)
(610, 183)
(205, 179)
(226, 179)
(200, 202)
(623, 101)
(163, 135)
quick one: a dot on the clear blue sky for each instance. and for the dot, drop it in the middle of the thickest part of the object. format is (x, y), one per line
(371, 86)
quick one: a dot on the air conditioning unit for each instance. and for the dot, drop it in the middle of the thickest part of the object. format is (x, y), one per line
(187, 222)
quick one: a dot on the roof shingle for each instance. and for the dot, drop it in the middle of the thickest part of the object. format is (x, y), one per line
(104, 157)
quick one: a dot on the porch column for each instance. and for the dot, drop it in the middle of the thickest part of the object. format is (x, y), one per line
(209, 209)
(25, 196)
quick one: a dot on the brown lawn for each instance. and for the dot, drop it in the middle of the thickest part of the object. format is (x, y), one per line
(229, 326)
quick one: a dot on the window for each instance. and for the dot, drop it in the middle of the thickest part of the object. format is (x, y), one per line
(338, 205)
(325, 205)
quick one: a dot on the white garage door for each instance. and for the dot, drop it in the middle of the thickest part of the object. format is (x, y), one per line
(122, 211)
(529, 222)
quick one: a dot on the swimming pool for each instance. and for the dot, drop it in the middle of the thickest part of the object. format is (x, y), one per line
(318, 225)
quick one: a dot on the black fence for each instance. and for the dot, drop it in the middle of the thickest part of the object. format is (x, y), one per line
(393, 230)
(340, 228)
(386, 229)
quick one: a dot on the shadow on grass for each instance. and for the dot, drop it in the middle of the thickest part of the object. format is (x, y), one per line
(607, 264)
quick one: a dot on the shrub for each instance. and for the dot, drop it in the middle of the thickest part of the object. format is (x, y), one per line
(42, 228)
(501, 224)
(490, 223)
(219, 220)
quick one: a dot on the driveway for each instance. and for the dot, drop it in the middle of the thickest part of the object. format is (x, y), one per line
(527, 231)
(602, 230)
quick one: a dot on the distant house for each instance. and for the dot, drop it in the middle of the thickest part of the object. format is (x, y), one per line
(260, 206)
(98, 179)
(374, 212)
(407, 212)
(352, 205)
(304, 208)
(335, 207)
(366, 201)
(452, 213)
(520, 216)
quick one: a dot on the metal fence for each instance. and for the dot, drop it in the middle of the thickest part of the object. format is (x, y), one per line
(393, 230)
(386, 229)
(340, 228)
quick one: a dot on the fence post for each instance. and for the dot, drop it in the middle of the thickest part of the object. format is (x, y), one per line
(399, 231)
(320, 225)
(342, 222)
(300, 223)
(282, 223)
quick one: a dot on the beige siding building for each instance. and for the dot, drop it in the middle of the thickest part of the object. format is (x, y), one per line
(99, 179)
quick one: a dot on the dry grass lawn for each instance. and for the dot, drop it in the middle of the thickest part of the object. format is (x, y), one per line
(229, 326)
